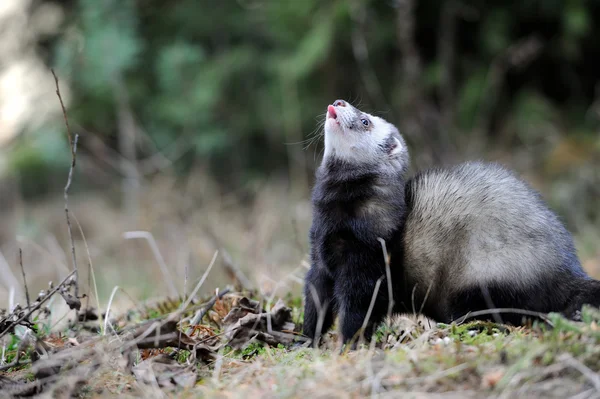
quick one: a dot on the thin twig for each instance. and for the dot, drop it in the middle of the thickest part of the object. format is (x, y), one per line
(73, 147)
(195, 291)
(92, 275)
(412, 299)
(73, 257)
(321, 313)
(128, 235)
(64, 115)
(198, 317)
(371, 305)
(174, 315)
(542, 316)
(185, 283)
(112, 295)
(388, 274)
(425, 299)
(235, 272)
(37, 306)
(24, 278)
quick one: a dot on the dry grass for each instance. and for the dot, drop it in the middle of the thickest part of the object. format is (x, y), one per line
(267, 238)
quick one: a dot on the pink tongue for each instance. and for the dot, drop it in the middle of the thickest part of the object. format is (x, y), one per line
(331, 112)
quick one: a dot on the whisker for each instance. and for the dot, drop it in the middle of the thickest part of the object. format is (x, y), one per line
(314, 135)
(357, 103)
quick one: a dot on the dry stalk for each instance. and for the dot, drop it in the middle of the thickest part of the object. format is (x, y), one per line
(388, 274)
(73, 147)
(24, 278)
(235, 273)
(371, 305)
(128, 235)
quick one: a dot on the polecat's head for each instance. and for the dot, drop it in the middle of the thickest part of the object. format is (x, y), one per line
(360, 138)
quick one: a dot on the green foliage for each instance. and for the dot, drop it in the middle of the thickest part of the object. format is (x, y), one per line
(183, 355)
(495, 35)
(470, 98)
(240, 77)
(110, 45)
(253, 349)
(577, 21)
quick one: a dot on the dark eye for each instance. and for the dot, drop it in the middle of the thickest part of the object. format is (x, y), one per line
(365, 121)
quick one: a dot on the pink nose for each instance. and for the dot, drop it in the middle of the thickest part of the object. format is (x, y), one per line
(339, 103)
(331, 112)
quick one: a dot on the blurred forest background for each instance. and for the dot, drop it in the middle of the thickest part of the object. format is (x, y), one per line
(199, 120)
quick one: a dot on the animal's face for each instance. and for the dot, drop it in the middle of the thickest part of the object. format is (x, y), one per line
(360, 138)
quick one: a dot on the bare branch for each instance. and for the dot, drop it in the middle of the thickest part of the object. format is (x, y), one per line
(36, 306)
(69, 135)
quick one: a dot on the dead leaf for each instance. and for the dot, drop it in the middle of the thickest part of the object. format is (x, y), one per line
(148, 353)
(168, 335)
(72, 301)
(215, 318)
(246, 322)
(201, 331)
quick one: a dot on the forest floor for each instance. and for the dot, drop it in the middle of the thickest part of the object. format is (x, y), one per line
(240, 344)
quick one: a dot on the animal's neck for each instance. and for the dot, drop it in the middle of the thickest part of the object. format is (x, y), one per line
(360, 198)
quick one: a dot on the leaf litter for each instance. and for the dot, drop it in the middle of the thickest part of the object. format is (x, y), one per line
(164, 352)
(238, 343)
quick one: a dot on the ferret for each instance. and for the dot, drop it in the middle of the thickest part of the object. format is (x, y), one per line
(444, 243)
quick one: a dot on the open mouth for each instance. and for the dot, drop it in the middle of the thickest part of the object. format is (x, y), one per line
(331, 112)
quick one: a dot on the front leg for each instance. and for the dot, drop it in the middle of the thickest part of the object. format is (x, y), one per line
(319, 303)
(354, 293)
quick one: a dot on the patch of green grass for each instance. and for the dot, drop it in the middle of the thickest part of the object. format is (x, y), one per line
(483, 357)
(183, 355)
(253, 349)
